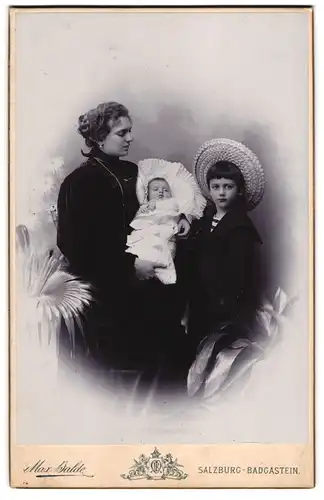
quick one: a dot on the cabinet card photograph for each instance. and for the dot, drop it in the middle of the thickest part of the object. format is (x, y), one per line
(161, 247)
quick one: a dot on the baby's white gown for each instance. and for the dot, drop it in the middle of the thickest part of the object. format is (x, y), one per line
(153, 238)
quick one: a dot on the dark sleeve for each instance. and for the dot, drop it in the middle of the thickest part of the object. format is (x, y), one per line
(90, 228)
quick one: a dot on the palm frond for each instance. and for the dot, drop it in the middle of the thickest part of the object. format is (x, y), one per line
(198, 371)
(226, 369)
(216, 370)
(49, 294)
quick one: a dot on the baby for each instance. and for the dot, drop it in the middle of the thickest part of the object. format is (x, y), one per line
(154, 228)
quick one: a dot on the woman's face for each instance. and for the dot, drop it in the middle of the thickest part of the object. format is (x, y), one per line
(119, 138)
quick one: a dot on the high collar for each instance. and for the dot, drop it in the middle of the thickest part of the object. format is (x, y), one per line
(109, 159)
(112, 162)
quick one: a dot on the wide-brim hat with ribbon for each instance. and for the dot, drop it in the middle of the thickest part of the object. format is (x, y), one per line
(235, 152)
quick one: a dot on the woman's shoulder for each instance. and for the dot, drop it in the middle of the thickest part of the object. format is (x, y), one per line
(85, 179)
(85, 172)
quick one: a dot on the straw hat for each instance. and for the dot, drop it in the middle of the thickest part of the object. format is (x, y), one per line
(217, 150)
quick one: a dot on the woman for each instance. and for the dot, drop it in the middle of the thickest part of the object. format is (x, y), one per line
(96, 203)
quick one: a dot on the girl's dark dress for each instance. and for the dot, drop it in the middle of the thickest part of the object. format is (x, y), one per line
(132, 324)
(223, 274)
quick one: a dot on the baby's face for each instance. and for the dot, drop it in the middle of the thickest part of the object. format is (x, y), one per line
(158, 189)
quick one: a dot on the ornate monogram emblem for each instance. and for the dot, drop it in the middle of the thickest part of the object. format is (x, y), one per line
(155, 467)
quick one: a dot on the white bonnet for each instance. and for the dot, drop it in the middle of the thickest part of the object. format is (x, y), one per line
(182, 184)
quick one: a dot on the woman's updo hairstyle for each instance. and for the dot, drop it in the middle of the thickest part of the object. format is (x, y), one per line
(95, 125)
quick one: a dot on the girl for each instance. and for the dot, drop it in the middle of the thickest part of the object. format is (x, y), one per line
(223, 272)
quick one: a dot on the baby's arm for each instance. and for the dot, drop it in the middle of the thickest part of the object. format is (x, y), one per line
(147, 207)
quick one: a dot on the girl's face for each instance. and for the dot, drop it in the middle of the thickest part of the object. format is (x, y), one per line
(223, 193)
(119, 138)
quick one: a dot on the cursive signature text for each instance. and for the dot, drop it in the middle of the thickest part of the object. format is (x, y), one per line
(42, 469)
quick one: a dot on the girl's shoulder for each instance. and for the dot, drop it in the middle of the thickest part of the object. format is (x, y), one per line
(208, 213)
(238, 221)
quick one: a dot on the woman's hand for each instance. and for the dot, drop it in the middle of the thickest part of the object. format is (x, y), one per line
(183, 227)
(145, 269)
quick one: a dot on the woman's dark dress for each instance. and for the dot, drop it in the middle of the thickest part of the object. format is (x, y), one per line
(132, 324)
(223, 274)
(96, 203)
